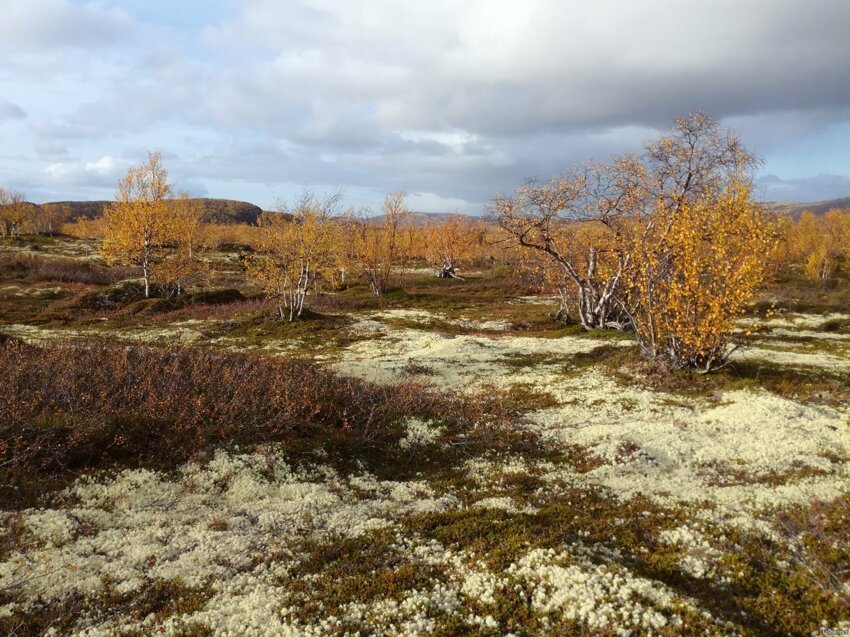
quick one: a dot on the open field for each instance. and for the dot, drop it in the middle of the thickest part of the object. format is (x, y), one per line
(443, 460)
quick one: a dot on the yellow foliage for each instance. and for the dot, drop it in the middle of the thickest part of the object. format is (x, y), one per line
(141, 222)
(449, 244)
(378, 248)
(181, 266)
(668, 243)
(85, 228)
(820, 244)
(295, 250)
(696, 269)
(16, 214)
(217, 235)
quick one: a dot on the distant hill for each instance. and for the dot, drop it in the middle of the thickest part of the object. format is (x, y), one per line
(796, 208)
(227, 211)
(82, 209)
(223, 211)
(231, 211)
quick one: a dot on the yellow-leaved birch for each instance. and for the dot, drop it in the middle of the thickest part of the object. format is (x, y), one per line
(139, 222)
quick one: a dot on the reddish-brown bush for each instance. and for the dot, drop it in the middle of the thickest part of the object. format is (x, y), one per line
(36, 269)
(200, 310)
(76, 405)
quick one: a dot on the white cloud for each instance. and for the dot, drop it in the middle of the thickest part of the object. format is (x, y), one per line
(101, 173)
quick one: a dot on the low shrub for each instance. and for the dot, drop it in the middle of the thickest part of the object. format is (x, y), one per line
(118, 295)
(61, 270)
(78, 405)
(129, 297)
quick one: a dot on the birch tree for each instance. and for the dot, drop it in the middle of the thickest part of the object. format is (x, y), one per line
(448, 244)
(378, 247)
(294, 249)
(582, 221)
(591, 220)
(47, 218)
(139, 223)
(15, 213)
(822, 244)
(181, 266)
(696, 269)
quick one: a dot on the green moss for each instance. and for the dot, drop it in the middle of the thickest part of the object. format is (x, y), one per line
(521, 361)
(160, 599)
(787, 591)
(809, 385)
(527, 397)
(360, 569)
(311, 329)
(586, 515)
(729, 474)
(835, 326)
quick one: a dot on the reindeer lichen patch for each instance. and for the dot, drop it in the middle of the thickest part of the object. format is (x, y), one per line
(461, 361)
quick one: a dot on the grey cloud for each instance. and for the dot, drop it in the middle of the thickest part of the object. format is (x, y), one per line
(9, 111)
(54, 24)
(452, 100)
(542, 69)
(817, 188)
(343, 74)
(472, 174)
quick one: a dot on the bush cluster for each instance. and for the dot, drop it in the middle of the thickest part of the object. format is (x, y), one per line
(35, 269)
(78, 405)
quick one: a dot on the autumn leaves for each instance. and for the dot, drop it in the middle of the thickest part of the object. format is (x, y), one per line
(147, 227)
(694, 272)
(19, 217)
(669, 244)
(314, 244)
(300, 248)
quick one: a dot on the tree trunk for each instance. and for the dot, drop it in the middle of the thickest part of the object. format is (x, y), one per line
(146, 275)
(146, 258)
(595, 309)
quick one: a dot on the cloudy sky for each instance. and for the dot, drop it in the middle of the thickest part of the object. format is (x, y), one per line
(451, 101)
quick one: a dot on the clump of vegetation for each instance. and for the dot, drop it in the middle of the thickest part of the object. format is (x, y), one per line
(450, 244)
(669, 244)
(377, 249)
(794, 582)
(295, 251)
(18, 216)
(38, 269)
(72, 406)
(157, 599)
(699, 268)
(821, 244)
(144, 220)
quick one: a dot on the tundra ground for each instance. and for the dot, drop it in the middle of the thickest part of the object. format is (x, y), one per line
(597, 497)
